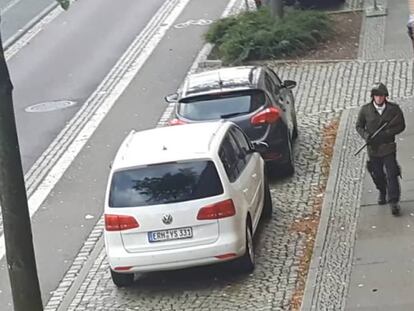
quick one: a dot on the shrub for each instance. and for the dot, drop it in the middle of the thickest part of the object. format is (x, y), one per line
(256, 35)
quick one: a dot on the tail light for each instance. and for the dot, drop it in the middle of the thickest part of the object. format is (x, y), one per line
(272, 156)
(267, 116)
(120, 222)
(217, 210)
(123, 268)
(176, 122)
(226, 256)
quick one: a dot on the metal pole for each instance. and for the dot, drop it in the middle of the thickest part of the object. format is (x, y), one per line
(21, 262)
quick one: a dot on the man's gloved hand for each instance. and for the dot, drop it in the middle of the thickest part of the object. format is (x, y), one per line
(380, 138)
(366, 136)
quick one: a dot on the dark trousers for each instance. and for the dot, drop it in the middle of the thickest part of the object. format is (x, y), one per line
(386, 181)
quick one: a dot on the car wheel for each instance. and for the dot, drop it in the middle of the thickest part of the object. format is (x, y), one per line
(122, 279)
(268, 205)
(289, 167)
(295, 131)
(246, 262)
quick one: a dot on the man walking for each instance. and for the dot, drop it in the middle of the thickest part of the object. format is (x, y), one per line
(382, 148)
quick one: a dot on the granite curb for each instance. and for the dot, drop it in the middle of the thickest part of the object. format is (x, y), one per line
(315, 264)
(331, 263)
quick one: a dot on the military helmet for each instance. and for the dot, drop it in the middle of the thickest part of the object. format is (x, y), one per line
(379, 89)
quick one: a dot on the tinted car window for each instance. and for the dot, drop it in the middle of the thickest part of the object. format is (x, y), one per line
(244, 145)
(218, 106)
(276, 81)
(229, 159)
(269, 85)
(233, 157)
(240, 156)
(164, 183)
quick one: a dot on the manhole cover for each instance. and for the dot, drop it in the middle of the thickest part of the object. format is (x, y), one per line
(51, 106)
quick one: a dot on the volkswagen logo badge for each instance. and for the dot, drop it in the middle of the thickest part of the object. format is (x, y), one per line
(167, 219)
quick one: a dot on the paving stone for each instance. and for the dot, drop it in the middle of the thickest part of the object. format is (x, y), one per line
(324, 90)
(274, 281)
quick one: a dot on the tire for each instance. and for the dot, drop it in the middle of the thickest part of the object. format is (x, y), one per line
(122, 279)
(246, 263)
(289, 167)
(295, 132)
(267, 205)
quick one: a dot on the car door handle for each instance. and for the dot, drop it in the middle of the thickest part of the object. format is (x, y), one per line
(245, 190)
(254, 175)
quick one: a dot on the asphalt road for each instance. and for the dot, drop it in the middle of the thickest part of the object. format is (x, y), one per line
(67, 61)
(17, 14)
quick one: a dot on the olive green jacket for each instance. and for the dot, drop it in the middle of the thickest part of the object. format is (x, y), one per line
(369, 120)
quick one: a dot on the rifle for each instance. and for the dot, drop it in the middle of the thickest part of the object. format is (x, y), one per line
(375, 134)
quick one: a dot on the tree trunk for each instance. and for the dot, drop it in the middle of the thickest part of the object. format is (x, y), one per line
(20, 255)
(276, 7)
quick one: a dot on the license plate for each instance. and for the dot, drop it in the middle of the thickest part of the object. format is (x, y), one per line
(170, 234)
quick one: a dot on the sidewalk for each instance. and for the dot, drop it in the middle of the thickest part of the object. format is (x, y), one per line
(363, 256)
(382, 275)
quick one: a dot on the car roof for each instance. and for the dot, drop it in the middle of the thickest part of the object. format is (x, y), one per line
(170, 143)
(221, 80)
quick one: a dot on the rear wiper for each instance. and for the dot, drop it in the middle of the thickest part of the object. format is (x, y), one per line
(230, 115)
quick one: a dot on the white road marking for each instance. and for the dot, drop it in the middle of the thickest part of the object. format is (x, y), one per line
(24, 35)
(138, 53)
(67, 284)
(198, 22)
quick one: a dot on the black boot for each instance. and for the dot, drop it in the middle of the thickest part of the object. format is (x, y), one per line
(395, 208)
(382, 198)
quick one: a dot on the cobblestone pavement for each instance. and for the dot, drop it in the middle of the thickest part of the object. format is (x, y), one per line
(378, 40)
(220, 287)
(330, 87)
(324, 91)
(332, 277)
(373, 40)
(354, 4)
(330, 281)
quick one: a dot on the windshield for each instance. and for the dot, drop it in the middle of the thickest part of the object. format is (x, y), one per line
(164, 183)
(220, 106)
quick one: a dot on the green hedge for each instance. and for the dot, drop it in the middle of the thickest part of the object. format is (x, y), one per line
(256, 35)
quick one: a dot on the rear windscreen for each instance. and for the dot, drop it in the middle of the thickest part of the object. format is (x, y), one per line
(164, 183)
(218, 106)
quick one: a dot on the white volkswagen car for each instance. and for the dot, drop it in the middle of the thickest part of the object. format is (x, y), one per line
(184, 196)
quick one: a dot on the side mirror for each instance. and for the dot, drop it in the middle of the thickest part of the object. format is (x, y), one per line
(289, 84)
(260, 147)
(172, 98)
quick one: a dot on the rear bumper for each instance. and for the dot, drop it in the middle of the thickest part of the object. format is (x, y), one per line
(176, 258)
